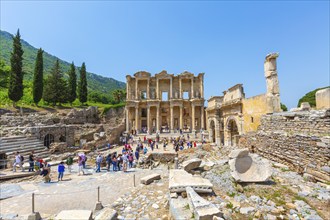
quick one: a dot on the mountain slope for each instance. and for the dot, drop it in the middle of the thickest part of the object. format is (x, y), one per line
(96, 82)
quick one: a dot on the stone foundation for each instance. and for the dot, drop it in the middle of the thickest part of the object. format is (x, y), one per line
(300, 140)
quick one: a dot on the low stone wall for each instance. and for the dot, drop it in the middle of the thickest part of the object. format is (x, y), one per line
(300, 140)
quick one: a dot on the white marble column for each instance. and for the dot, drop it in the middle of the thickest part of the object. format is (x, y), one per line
(192, 88)
(137, 119)
(157, 119)
(148, 90)
(181, 117)
(202, 117)
(136, 89)
(148, 120)
(172, 120)
(180, 89)
(157, 89)
(171, 89)
(127, 119)
(192, 117)
(202, 87)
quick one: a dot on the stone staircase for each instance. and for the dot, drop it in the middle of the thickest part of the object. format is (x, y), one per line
(25, 145)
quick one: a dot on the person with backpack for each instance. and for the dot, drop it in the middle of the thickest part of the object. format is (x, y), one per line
(46, 172)
(99, 159)
(130, 159)
(108, 160)
(18, 161)
(69, 162)
(31, 162)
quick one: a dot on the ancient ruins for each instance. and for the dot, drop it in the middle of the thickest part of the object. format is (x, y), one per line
(164, 102)
(247, 159)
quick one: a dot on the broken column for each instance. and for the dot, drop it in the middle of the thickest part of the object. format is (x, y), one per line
(246, 167)
(202, 209)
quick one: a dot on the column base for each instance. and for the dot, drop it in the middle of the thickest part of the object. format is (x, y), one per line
(34, 216)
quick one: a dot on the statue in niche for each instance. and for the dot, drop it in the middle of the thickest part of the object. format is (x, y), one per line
(198, 94)
(176, 94)
(153, 93)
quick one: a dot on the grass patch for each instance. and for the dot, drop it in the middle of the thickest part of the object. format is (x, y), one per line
(231, 194)
(229, 205)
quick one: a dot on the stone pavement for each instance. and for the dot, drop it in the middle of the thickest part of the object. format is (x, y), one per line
(75, 192)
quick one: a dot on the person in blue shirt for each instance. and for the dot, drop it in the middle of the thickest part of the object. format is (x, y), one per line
(60, 170)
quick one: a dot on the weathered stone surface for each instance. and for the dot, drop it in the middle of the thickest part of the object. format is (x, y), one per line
(178, 209)
(323, 98)
(202, 209)
(74, 215)
(296, 139)
(238, 153)
(249, 168)
(191, 164)
(106, 214)
(58, 147)
(180, 179)
(150, 178)
(206, 165)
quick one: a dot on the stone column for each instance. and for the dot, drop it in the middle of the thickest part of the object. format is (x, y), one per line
(172, 120)
(202, 86)
(148, 120)
(137, 119)
(128, 93)
(181, 117)
(192, 88)
(157, 119)
(180, 88)
(192, 117)
(148, 89)
(157, 89)
(127, 119)
(136, 88)
(202, 117)
(171, 89)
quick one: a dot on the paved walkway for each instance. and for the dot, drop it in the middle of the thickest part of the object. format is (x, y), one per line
(75, 192)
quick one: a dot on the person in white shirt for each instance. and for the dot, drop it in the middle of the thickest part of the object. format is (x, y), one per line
(18, 161)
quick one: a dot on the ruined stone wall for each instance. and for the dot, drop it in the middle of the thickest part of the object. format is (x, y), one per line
(300, 140)
(253, 109)
(322, 98)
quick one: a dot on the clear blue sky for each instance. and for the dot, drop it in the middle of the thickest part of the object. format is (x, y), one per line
(226, 40)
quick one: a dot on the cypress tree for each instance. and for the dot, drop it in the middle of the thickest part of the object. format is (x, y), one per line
(15, 90)
(38, 78)
(72, 84)
(55, 87)
(83, 85)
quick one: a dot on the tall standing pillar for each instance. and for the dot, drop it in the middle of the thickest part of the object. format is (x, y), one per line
(157, 89)
(148, 120)
(157, 119)
(137, 119)
(127, 119)
(181, 117)
(180, 89)
(171, 89)
(148, 90)
(192, 88)
(172, 120)
(192, 117)
(202, 117)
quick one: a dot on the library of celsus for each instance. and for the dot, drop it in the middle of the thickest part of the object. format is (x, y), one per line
(165, 102)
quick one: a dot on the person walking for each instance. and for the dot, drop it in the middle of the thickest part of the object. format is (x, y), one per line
(69, 162)
(108, 160)
(80, 165)
(18, 161)
(60, 170)
(99, 159)
(31, 162)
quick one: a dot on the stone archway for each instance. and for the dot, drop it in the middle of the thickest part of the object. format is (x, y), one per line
(232, 130)
(212, 131)
(49, 138)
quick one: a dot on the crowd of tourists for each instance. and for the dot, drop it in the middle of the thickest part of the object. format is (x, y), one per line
(122, 161)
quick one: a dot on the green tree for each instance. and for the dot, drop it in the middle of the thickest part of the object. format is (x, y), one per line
(72, 84)
(55, 90)
(283, 107)
(4, 74)
(83, 85)
(15, 90)
(38, 83)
